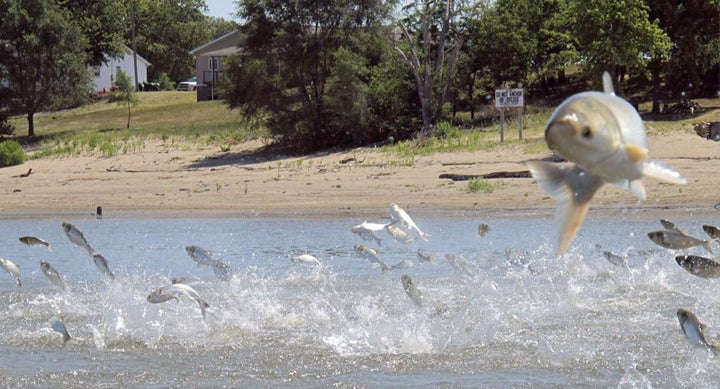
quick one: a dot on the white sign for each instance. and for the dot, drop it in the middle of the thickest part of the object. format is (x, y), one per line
(509, 98)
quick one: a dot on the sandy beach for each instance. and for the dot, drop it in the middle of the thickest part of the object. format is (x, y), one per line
(183, 179)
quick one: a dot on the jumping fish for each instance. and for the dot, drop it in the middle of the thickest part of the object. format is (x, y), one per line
(615, 259)
(398, 215)
(52, 275)
(178, 290)
(57, 324)
(11, 268)
(371, 255)
(222, 270)
(102, 265)
(77, 237)
(423, 256)
(693, 330)
(399, 234)
(34, 241)
(200, 255)
(604, 136)
(367, 230)
(158, 296)
(670, 226)
(677, 240)
(711, 231)
(411, 290)
(699, 266)
(483, 229)
(306, 258)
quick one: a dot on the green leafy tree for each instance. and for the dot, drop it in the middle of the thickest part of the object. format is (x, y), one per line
(692, 64)
(166, 30)
(43, 57)
(296, 67)
(617, 36)
(104, 23)
(125, 94)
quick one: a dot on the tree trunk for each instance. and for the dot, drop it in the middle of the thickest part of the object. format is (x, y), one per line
(31, 124)
(128, 123)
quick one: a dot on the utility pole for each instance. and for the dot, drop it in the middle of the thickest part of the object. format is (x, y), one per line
(134, 44)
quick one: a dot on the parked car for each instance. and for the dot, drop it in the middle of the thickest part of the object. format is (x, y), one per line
(189, 85)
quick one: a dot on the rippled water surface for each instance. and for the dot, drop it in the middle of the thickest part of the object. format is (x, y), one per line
(498, 310)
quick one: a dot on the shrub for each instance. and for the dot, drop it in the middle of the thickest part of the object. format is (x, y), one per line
(165, 82)
(11, 153)
(446, 130)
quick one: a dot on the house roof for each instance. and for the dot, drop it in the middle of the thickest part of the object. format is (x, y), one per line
(129, 51)
(220, 47)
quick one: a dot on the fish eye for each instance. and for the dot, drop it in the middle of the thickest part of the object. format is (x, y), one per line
(586, 132)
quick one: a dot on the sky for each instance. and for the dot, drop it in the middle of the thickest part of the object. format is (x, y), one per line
(221, 8)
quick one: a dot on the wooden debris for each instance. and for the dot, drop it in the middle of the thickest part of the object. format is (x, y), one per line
(467, 177)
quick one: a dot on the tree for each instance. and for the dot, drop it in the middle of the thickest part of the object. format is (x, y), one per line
(166, 30)
(617, 36)
(104, 23)
(298, 65)
(125, 95)
(691, 66)
(433, 35)
(43, 56)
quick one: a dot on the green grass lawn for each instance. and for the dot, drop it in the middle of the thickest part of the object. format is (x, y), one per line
(177, 117)
(101, 126)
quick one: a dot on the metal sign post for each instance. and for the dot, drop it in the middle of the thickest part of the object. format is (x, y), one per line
(509, 98)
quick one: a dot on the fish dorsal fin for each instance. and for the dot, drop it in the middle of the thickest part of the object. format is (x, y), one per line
(607, 83)
(636, 153)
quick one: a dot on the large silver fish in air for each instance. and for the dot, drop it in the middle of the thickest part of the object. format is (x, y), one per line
(604, 136)
(11, 268)
(76, 236)
(693, 330)
(52, 274)
(176, 291)
(200, 255)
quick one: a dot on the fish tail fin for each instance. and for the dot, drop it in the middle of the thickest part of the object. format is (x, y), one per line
(49, 247)
(424, 236)
(663, 172)
(608, 83)
(203, 305)
(708, 245)
(66, 338)
(572, 188)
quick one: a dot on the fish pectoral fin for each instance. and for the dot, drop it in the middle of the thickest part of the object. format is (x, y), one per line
(636, 153)
(662, 171)
(572, 188)
(637, 188)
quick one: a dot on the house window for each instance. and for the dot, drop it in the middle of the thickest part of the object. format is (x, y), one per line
(213, 63)
(97, 71)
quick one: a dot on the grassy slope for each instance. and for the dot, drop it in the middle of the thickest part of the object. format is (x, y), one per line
(100, 127)
(159, 115)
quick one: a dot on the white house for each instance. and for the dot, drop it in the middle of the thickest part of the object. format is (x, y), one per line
(106, 73)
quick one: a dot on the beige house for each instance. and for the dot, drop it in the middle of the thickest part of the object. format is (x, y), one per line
(209, 64)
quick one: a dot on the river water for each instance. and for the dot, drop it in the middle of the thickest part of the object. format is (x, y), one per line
(497, 311)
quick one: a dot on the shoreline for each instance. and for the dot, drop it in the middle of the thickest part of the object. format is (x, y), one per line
(198, 181)
(635, 211)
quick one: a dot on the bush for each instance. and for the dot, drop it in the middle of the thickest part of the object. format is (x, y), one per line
(165, 82)
(11, 153)
(5, 127)
(445, 130)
